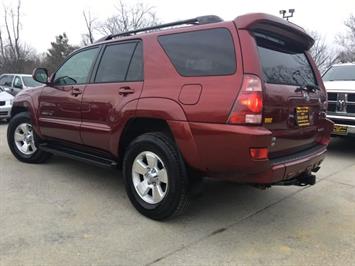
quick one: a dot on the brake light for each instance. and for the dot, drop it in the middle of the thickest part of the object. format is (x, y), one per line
(259, 153)
(248, 107)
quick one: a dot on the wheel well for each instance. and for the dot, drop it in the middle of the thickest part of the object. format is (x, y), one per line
(18, 109)
(138, 126)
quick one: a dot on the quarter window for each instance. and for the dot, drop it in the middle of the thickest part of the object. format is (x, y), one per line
(201, 53)
(135, 71)
(77, 68)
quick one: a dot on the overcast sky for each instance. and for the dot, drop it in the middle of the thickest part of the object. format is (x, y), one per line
(44, 19)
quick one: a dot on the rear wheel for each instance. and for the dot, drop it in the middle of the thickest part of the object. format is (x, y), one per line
(155, 176)
(23, 141)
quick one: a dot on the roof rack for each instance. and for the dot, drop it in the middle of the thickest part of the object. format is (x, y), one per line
(194, 21)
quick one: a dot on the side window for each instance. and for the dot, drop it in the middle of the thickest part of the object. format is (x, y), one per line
(18, 83)
(76, 69)
(115, 62)
(135, 71)
(201, 53)
(6, 80)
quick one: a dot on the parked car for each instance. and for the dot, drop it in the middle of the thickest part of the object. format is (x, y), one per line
(14, 83)
(339, 82)
(239, 100)
(6, 101)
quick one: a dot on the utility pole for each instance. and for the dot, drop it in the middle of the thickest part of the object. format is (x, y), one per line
(287, 16)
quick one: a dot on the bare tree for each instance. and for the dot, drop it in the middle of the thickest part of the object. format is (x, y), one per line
(14, 55)
(347, 41)
(129, 18)
(323, 56)
(90, 23)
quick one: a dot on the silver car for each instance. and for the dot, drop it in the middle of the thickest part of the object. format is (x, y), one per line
(6, 100)
(14, 83)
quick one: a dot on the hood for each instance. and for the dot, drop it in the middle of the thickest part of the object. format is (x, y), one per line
(30, 90)
(4, 96)
(340, 85)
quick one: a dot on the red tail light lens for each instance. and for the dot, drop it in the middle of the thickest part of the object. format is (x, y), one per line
(259, 153)
(248, 107)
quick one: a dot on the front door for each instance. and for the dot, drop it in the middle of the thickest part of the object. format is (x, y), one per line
(60, 102)
(118, 80)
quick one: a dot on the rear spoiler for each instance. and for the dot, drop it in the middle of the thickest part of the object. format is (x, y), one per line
(264, 23)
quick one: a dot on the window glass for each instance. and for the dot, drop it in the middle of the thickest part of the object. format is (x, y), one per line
(114, 63)
(282, 65)
(30, 82)
(345, 72)
(6, 80)
(135, 71)
(76, 69)
(17, 82)
(201, 53)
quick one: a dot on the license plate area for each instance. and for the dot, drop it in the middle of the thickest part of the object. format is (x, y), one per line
(340, 130)
(302, 116)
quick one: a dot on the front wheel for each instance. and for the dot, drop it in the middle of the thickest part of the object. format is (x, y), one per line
(23, 141)
(155, 176)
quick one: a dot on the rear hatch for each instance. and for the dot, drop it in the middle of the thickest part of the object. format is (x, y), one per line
(292, 98)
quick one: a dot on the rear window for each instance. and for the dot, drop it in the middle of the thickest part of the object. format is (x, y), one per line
(282, 65)
(201, 53)
(340, 73)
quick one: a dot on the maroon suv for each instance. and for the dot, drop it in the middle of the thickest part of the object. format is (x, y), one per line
(239, 100)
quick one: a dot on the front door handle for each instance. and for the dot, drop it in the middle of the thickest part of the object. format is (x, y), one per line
(76, 91)
(125, 90)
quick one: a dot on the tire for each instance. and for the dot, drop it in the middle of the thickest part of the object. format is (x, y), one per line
(21, 125)
(165, 176)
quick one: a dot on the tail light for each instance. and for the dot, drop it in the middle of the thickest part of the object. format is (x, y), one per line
(248, 107)
(259, 153)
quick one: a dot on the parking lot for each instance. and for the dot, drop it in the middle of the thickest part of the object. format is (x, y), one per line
(69, 213)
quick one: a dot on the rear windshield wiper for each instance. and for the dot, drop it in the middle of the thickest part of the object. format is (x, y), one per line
(308, 88)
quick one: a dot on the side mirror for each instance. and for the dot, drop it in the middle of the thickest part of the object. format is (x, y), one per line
(40, 75)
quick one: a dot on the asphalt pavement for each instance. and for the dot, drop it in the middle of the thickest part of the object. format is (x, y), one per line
(66, 212)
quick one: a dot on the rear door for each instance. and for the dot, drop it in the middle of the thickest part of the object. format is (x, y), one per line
(118, 79)
(292, 98)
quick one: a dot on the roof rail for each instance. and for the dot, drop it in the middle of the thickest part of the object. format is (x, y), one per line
(194, 21)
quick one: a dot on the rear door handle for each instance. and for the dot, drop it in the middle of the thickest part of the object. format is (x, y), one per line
(76, 91)
(125, 90)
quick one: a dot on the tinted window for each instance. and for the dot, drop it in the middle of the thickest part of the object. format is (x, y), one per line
(77, 68)
(135, 71)
(6, 80)
(340, 73)
(282, 65)
(114, 63)
(201, 53)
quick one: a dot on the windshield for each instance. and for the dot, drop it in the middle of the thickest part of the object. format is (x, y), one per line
(30, 82)
(340, 73)
(283, 65)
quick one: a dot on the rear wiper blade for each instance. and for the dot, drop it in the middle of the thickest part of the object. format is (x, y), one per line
(308, 88)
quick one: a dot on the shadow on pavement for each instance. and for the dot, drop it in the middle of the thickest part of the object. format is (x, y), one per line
(342, 145)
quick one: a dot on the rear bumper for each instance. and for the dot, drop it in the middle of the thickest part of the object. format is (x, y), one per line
(223, 152)
(345, 121)
(5, 112)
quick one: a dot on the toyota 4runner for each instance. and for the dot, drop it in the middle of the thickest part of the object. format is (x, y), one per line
(239, 100)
